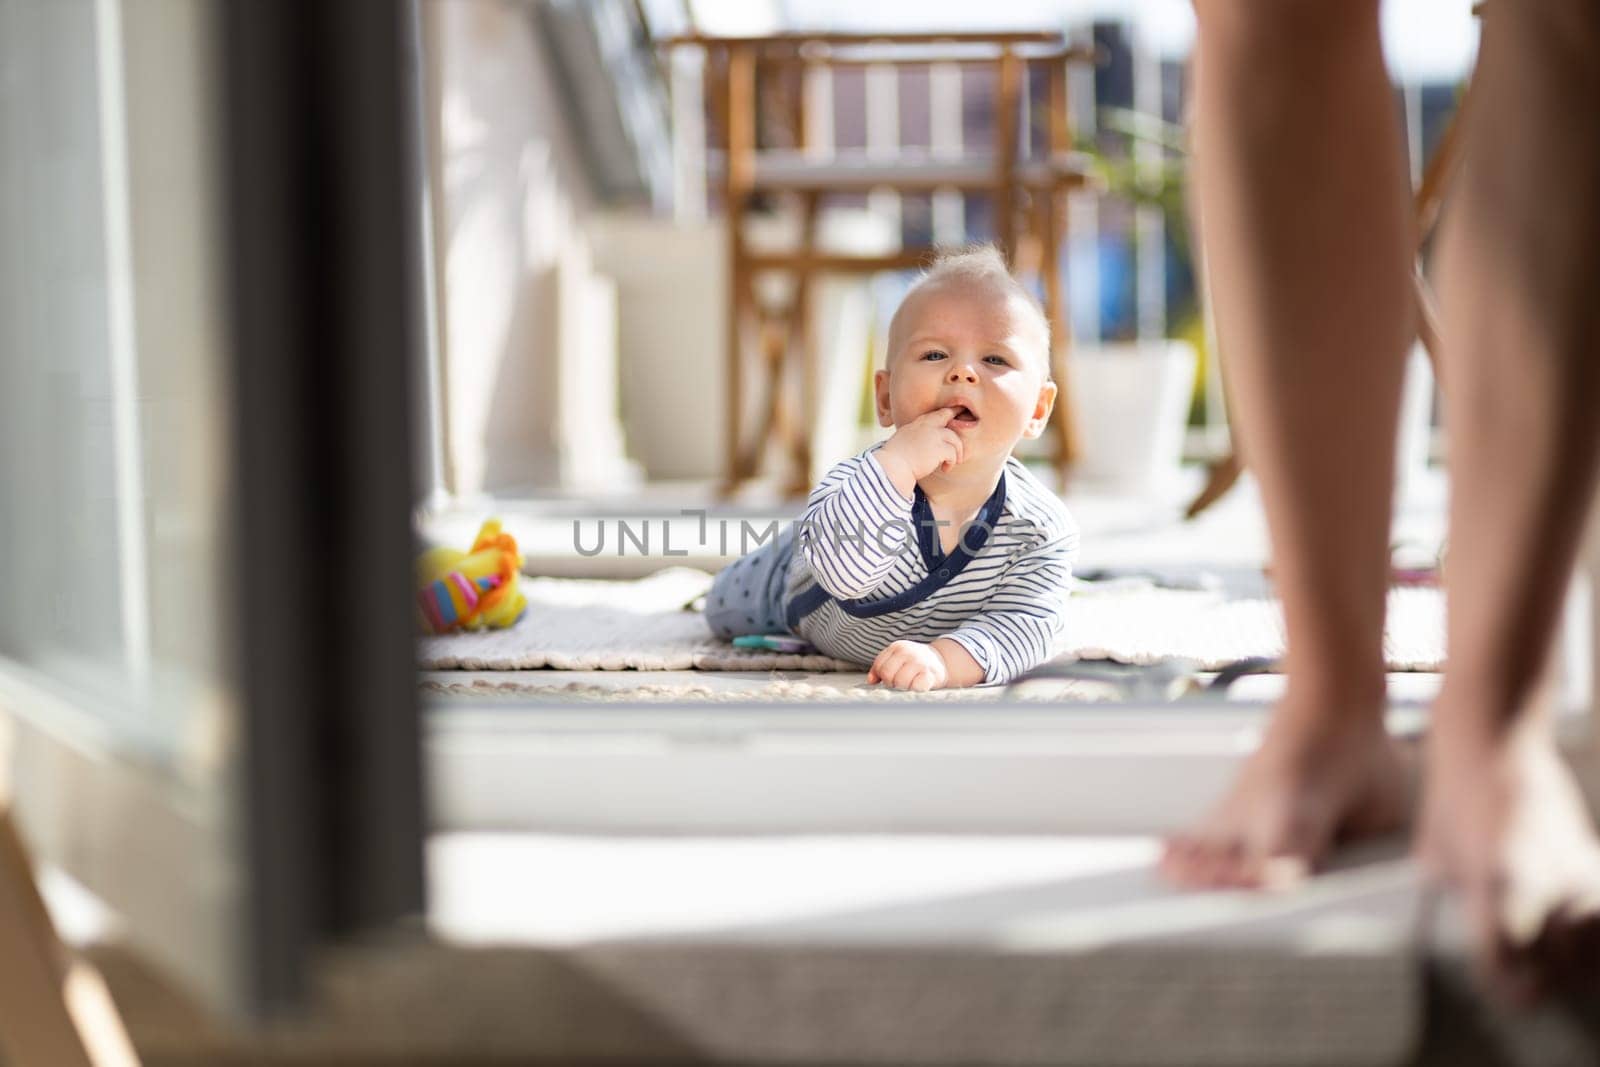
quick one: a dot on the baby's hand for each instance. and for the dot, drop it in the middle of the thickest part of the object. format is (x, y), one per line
(920, 447)
(909, 665)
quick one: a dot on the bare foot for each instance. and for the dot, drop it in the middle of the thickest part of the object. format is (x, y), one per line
(1504, 824)
(1316, 781)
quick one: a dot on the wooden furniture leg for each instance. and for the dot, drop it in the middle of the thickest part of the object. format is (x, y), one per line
(54, 1011)
(771, 340)
(1007, 103)
(804, 350)
(1429, 199)
(737, 180)
(1053, 230)
(1220, 477)
(1428, 324)
(1063, 432)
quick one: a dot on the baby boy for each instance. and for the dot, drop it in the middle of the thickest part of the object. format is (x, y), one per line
(934, 555)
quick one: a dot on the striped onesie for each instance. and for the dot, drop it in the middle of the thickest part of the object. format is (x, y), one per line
(863, 568)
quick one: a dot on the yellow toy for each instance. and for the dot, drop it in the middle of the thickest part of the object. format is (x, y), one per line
(471, 590)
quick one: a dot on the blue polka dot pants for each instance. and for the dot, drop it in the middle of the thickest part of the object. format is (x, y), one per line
(747, 596)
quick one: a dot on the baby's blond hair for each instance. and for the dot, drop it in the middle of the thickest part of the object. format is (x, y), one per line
(981, 264)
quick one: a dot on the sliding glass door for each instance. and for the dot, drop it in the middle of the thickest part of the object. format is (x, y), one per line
(207, 276)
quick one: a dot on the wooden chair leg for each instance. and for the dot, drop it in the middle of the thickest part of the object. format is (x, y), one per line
(775, 420)
(1007, 105)
(1428, 324)
(1052, 230)
(740, 118)
(1219, 479)
(801, 476)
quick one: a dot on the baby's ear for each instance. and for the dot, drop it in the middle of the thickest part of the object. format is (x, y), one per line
(1041, 411)
(880, 396)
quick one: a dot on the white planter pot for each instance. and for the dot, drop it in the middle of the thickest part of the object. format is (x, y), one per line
(1130, 403)
(671, 291)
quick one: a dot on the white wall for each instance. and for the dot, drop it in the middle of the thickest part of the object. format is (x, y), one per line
(510, 196)
(111, 392)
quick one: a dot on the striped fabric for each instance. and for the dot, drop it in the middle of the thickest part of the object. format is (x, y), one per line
(869, 570)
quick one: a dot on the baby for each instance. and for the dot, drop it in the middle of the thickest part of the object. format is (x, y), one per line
(934, 556)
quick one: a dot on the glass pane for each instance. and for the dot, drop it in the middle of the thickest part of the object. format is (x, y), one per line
(57, 478)
(110, 444)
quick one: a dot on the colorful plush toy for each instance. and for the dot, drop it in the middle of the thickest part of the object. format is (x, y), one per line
(471, 590)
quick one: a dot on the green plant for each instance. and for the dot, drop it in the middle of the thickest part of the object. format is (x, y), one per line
(1163, 184)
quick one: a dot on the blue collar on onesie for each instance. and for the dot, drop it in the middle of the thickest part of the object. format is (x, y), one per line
(941, 568)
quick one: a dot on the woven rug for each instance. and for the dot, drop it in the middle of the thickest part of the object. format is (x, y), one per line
(652, 625)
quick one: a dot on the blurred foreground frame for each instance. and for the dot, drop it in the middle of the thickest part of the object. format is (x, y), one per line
(310, 833)
(325, 242)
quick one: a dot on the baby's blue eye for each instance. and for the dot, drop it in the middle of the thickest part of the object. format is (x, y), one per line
(933, 355)
(999, 360)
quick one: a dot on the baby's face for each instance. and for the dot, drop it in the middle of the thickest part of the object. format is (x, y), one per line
(972, 346)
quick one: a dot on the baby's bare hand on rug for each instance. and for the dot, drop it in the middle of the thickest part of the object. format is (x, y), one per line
(909, 665)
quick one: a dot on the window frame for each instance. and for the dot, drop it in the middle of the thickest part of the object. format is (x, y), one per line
(298, 823)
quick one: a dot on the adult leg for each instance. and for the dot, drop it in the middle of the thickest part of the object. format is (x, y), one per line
(1519, 282)
(1303, 209)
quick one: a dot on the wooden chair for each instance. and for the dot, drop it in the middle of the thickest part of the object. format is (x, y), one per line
(1028, 195)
